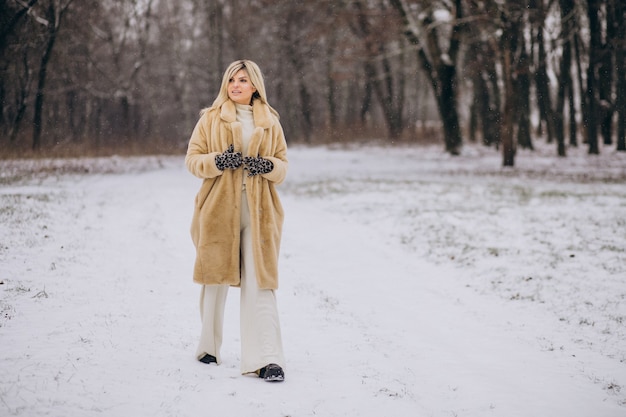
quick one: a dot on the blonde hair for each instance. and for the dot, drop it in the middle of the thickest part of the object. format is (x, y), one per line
(256, 78)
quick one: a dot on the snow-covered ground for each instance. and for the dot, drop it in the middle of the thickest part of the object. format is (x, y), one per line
(412, 284)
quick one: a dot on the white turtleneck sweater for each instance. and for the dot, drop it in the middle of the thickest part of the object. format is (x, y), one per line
(244, 116)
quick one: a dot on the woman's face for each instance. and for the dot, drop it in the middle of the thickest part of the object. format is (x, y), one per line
(240, 89)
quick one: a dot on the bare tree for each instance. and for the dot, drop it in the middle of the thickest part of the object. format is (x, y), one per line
(620, 67)
(53, 15)
(480, 67)
(503, 25)
(377, 66)
(544, 101)
(8, 25)
(606, 58)
(105, 74)
(21, 41)
(438, 43)
(593, 10)
(565, 85)
(510, 33)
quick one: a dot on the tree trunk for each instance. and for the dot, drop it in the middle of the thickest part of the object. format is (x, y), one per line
(593, 9)
(605, 75)
(493, 111)
(391, 103)
(522, 88)
(366, 103)
(573, 125)
(541, 78)
(446, 103)
(620, 65)
(390, 97)
(486, 104)
(43, 69)
(440, 68)
(10, 124)
(19, 116)
(8, 28)
(581, 84)
(22, 92)
(508, 143)
(564, 76)
(331, 100)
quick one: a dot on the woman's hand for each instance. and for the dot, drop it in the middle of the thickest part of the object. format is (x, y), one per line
(229, 159)
(258, 165)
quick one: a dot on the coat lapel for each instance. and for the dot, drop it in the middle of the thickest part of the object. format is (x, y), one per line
(228, 112)
(261, 112)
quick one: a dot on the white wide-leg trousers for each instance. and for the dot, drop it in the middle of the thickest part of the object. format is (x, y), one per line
(261, 341)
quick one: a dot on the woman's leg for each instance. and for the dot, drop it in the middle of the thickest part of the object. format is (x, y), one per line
(261, 342)
(212, 303)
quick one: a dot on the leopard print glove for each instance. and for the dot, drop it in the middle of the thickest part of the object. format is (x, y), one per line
(258, 165)
(229, 159)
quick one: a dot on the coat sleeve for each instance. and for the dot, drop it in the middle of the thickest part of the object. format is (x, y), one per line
(199, 161)
(279, 159)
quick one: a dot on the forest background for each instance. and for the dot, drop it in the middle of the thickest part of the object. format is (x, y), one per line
(97, 77)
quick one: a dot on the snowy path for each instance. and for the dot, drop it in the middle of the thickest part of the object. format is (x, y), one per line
(103, 320)
(401, 340)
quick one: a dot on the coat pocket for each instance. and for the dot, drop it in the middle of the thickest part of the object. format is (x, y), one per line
(201, 197)
(203, 193)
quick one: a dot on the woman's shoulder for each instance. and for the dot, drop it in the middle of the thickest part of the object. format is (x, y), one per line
(208, 111)
(208, 115)
(265, 115)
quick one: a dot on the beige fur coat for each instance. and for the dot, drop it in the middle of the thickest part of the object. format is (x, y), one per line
(215, 223)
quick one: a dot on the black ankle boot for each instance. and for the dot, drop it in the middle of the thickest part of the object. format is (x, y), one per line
(272, 373)
(208, 359)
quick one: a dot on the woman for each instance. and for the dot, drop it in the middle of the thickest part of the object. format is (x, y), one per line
(238, 148)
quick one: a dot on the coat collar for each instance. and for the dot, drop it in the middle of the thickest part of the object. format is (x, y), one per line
(260, 112)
